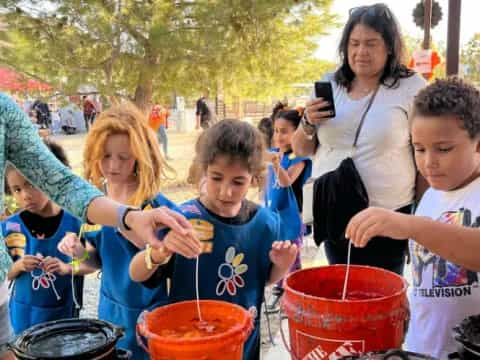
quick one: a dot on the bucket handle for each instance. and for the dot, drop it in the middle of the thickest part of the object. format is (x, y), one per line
(142, 339)
(284, 338)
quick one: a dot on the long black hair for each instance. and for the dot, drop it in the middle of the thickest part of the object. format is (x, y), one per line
(379, 18)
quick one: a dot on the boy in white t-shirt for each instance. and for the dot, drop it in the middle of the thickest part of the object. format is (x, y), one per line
(446, 139)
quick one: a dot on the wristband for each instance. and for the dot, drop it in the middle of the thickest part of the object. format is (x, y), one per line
(308, 126)
(149, 261)
(148, 258)
(122, 212)
(75, 263)
(308, 129)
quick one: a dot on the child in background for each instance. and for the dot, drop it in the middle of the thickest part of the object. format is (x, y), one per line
(241, 255)
(158, 121)
(446, 139)
(287, 171)
(41, 275)
(122, 157)
(266, 128)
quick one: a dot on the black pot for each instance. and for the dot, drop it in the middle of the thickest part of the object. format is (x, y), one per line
(394, 354)
(71, 339)
(467, 336)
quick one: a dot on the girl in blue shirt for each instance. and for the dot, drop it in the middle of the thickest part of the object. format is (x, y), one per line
(241, 254)
(287, 173)
(122, 158)
(42, 286)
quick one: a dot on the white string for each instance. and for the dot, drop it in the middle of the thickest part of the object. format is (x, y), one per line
(197, 290)
(344, 294)
(55, 290)
(77, 305)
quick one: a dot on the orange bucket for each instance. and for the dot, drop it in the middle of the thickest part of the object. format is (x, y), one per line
(373, 317)
(233, 323)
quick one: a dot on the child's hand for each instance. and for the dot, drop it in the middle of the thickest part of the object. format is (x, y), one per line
(28, 263)
(71, 246)
(269, 156)
(55, 265)
(276, 161)
(186, 245)
(373, 222)
(283, 254)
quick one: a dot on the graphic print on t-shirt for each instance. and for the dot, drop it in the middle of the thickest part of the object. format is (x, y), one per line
(447, 279)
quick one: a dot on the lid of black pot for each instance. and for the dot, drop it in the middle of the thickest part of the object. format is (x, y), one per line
(393, 354)
(68, 339)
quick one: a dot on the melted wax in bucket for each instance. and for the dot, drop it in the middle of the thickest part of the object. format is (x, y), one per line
(67, 344)
(196, 328)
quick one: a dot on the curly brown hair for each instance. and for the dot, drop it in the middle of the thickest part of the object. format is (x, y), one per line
(235, 139)
(451, 97)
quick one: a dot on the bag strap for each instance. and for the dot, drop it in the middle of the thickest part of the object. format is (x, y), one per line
(370, 102)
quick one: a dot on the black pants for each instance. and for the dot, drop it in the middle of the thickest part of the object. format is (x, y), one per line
(381, 252)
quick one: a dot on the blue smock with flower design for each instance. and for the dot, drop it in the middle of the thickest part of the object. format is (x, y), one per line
(39, 296)
(237, 268)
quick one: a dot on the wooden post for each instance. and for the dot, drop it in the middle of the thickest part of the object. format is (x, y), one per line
(453, 36)
(427, 23)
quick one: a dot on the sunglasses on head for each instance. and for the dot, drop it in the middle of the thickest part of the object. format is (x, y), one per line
(376, 10)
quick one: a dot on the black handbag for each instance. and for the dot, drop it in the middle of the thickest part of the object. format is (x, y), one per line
(338, 195)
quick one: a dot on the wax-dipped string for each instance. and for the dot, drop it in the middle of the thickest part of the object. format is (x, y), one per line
(75, 263)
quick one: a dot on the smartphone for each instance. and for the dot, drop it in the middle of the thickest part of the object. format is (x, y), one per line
(323, 89)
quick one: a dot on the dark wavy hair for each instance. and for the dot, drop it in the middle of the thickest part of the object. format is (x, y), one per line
(451, 97)
(379, 18)
(282, 110)
(235, 139)
(265, 126)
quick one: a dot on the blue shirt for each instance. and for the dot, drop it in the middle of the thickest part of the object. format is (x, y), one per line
(121, 299)
(38, 296)
(237, 268)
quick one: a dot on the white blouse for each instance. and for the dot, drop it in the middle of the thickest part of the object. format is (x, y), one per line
(383, 156)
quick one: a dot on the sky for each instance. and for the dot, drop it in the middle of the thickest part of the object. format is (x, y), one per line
(403, 11)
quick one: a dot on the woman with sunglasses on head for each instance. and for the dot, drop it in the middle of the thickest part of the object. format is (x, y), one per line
(371, 82)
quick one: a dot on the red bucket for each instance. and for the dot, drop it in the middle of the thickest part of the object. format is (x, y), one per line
(233, 322)
(374, 317)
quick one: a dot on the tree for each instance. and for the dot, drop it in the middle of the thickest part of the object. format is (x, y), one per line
(141, 48)
(470, 58)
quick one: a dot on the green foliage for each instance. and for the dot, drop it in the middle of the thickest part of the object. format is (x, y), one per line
(151, 48)
(470, 59)
(10, 206)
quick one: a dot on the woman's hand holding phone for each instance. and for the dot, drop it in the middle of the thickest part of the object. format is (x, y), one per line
(315, 111)
(322, 107)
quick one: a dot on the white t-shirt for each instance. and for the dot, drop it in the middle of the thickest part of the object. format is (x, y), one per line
(442, 293)
(383, 156)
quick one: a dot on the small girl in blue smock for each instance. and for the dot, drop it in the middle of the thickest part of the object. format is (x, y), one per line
(287, 173)
(122, 157)
(41, 275)
(241, 254)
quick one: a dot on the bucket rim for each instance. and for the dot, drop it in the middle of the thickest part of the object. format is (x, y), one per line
(245, 326)
(19, 348)
(312, 297)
